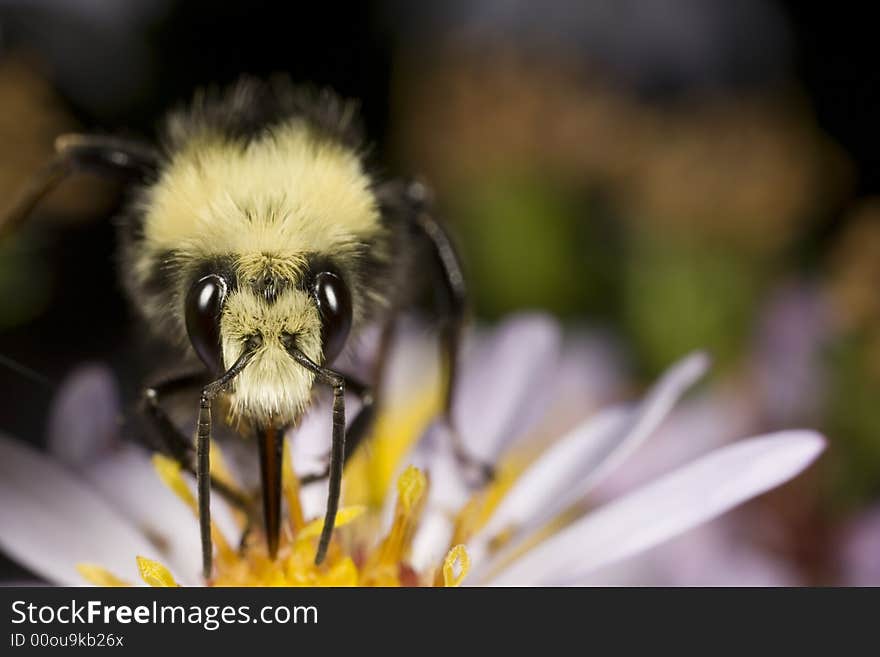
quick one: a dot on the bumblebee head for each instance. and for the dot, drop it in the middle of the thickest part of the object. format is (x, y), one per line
(271, 305)
(259, 228)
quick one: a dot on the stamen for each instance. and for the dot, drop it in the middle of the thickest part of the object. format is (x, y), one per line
(344, 516)
(457, 556)
(99, 576)
(169, 472)
(411, 488)
(219, 468)
(382, 569)
(482, 504)
(357, 559)
(290, 483)
(154, 573)
(370, 473)
(344, 573)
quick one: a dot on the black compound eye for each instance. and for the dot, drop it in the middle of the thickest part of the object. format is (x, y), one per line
(334, 305)
(204, 302)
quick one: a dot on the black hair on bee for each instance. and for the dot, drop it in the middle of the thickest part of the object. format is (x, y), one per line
(259, 242)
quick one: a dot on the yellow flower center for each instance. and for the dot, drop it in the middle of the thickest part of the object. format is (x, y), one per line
(359, 555)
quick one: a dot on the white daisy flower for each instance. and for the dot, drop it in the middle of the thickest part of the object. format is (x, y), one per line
(526, 403)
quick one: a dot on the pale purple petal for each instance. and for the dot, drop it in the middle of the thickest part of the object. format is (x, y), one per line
(51, 520)
(501, 394)
(129, 482)
(85, 416)
(708, 420)
(590, 375)
(665, 508)
(313, 499)
(570, 468)
(788, 353)
(309, 443)
(431, 540)
(718, 553)
(447, 493)
(504, 379)
(24, 583)
(413, 365)
(860, 551)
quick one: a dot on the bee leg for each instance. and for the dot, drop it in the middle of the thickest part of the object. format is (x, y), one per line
(176, 445)
(449, 280)
(363, 422)
(203, 451)
(172, 442)
(337, 449)
(203, 480)
(357, 431)
(109, 156)
(365, 419)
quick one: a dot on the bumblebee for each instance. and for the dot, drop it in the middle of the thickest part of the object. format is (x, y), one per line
(259, 242)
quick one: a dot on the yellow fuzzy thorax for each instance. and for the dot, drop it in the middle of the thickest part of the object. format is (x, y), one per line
(288, 192)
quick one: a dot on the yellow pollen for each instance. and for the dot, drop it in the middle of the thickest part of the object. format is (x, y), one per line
(457, 556)
(154, 573)
(411, 488)
(169, 472)
(219, 469)
(482, 504)
(369, 474)
(344, 516)
(290, 483)
(383, 566)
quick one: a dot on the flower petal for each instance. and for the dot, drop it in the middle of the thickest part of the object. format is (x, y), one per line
(792, 332)
(412, 363)
(573, 466)
(498, 395)
(705, 421)
(129, 483)
(85, 416)
(52, 521)
(447, 492)
(665, 508)
(718, 553)
(860, 550)
(590, 375)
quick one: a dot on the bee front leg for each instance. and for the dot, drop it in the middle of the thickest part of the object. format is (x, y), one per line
(337, 449)
(173, 443)
(107, 156)
(357, 431)
(449, 279)
(203, 451)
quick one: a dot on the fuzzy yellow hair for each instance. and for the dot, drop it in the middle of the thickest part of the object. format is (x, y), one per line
(287, 193)
(273, 388)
